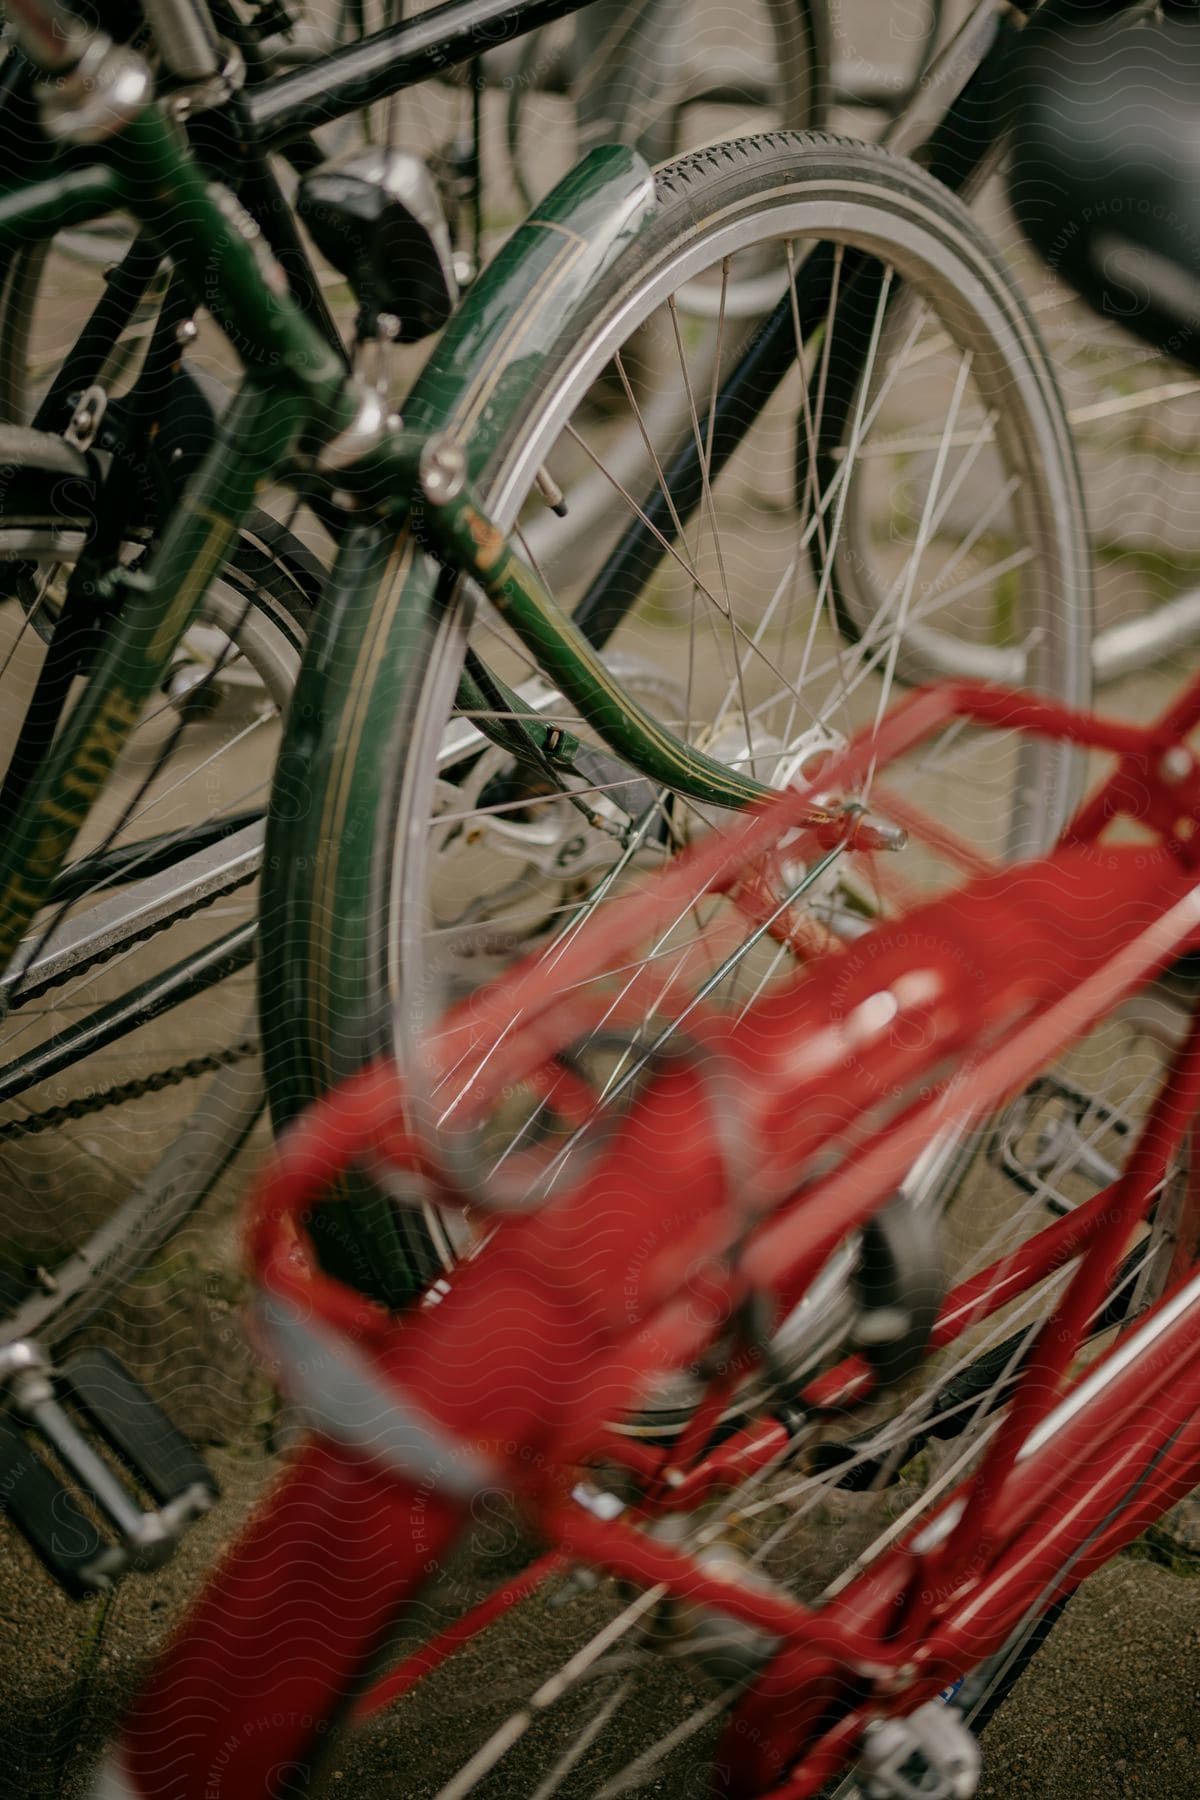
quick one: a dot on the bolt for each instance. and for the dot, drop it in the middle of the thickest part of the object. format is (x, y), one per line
(896, 1681)
(187, 331)
(1175, 765)
(876, 834)
(22, 1357)
(443, 470)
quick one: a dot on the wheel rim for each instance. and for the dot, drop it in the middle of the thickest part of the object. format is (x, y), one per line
(92, 1167)
(1031, 820)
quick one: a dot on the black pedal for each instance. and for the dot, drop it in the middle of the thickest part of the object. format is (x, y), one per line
(84, 1511)
(49, 1516)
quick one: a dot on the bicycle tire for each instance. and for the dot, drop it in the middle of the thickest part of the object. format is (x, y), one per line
(150, 1166)
(382, 986)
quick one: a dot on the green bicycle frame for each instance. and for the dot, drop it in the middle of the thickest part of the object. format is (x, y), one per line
(296, 396)
(295, 386)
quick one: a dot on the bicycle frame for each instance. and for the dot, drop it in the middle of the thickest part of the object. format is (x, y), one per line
(73, 194)
(556, 1328)
(297, 396)
(310, 369)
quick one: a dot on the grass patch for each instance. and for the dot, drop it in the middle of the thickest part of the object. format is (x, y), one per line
(1157, 1545)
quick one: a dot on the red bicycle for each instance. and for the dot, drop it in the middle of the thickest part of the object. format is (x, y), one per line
(708, 1361)
(802, 1357)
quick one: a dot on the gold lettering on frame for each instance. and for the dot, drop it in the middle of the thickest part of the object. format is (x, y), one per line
(57, 819)
(102, 744)
(18, 904)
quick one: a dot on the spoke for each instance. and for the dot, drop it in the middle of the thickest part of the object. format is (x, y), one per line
(583, 1741)
(874, 633)
(857, 428)
(1127, 403)
(723, 969)
(526, 805)
(831, 494)
(660, 538)
(659, 952)
(709, 512)
(921, 445)
(661, 478)
(924, 532)
(28, 618)
(869, 649)
(552, 1690)
(713, 391)
(810, 506)
(634, 1776)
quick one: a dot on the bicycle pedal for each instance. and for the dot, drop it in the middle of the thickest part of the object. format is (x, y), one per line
(92, 1422)
(1050, 1136)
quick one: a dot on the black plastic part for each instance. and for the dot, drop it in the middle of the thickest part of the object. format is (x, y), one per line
(1105, 174)
(899, 1288)
(382, 248)
(47, 1514)
(134, 1425)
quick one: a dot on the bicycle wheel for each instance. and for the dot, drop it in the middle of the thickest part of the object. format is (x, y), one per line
(133, 993)
(462, 859)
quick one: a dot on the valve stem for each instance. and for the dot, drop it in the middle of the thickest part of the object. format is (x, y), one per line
(550, 491)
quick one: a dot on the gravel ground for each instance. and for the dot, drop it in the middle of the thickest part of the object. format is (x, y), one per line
(1111, 1706)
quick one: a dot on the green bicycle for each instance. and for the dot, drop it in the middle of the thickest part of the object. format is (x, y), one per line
(490, 733)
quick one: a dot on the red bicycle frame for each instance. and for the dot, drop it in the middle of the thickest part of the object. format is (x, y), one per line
(743, 1163)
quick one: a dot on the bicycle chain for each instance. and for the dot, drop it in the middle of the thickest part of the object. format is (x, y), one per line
(137, 1089)
(99, 957)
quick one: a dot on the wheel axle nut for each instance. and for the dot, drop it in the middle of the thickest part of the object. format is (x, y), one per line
(1175, 765)
(443, 470)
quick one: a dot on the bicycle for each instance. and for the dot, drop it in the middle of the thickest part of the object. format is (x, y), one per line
(53, 1290)
(222, 65)
(705, 1338)
(725, 1201)
(81, 1069)
(56, 1275)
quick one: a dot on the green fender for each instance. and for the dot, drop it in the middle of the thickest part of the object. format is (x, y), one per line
(359, 696)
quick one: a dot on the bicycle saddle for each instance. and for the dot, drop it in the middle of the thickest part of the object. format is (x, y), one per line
(1105, 173)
